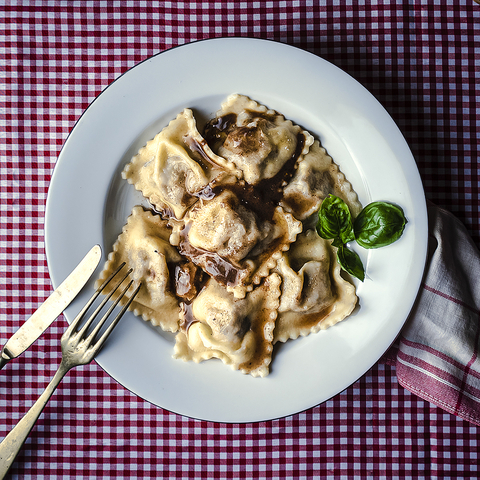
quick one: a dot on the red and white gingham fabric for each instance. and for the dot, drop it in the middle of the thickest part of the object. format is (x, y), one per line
(420, 58)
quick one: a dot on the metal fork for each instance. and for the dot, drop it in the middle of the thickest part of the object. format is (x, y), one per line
(78, 348)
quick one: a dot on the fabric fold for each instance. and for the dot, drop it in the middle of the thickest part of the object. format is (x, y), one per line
(438, 357)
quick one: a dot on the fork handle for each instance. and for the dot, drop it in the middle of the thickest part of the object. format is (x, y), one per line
(13, 442)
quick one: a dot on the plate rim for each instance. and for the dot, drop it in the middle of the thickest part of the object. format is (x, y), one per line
(54, 276)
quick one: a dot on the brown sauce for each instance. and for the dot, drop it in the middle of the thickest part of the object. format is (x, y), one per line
(309, 320)
(213, 264)
(263, 197)
(218, 127)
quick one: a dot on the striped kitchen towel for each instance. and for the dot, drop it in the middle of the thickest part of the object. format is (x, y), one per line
(439, 349)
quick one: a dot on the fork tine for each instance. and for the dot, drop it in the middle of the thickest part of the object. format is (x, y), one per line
(99, 325)
(87, 324)
(82, 313)
(99, 343)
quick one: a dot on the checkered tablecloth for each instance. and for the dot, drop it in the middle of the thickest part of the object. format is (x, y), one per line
(421, 59)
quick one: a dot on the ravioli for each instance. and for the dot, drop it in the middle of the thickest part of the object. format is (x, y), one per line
(175, 167)
(144, 247)
(226, 255)
(237, 331)
(260, 142)
(232, 243)
(314, 294)
(316, 177)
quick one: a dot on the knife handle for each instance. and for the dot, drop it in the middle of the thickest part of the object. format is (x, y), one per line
(4, 358)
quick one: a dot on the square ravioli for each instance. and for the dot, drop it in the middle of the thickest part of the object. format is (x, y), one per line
(237, 331)
(174, 168)
(227, 256)
(144, 247)
(232, 243)
(259, 141)
(314, 295)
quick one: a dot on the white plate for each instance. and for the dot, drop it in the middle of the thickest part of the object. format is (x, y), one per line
(88, 203)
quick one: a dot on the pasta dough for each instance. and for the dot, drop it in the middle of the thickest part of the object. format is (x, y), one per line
(237, 331)
(144, 247)
(314, 294)
(227, 257)
(175, 167)
(317, 176)
(257, 140)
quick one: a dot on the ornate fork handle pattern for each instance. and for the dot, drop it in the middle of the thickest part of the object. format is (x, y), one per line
(78, 348)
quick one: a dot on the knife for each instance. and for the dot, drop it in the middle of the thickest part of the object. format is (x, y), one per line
(53, 306)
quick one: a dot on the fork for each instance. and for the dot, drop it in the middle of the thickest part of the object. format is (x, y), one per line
(78, 348)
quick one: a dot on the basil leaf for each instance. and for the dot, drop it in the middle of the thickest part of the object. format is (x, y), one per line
(351, 263)
(337, 243)
(379, 224)
(335, 220)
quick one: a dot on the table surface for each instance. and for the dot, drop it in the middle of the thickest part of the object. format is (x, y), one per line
(421, 59)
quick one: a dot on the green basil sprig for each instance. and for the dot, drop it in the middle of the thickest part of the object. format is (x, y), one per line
(335, 220)
(351, 262)
(379, 224)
